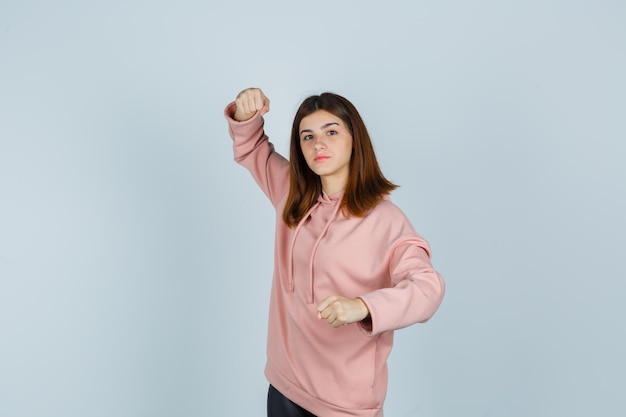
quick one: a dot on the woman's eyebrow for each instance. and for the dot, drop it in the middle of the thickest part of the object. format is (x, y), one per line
(321, 128)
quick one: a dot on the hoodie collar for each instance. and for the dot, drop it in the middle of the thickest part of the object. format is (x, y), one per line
(334, 198)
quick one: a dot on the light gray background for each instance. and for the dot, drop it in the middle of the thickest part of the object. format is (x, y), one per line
(136, 256)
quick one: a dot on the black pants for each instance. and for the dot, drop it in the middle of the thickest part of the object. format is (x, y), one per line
(280, 406)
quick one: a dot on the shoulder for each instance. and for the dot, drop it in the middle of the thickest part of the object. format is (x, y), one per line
(389, 216)
(388, 209)
(392, 222)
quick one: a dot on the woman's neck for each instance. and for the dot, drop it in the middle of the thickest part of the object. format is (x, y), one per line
(332, 186)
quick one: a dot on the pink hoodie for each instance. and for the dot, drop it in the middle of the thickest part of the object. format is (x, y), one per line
(335, 372)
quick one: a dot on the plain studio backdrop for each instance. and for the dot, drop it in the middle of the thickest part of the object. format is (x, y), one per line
(136, 256)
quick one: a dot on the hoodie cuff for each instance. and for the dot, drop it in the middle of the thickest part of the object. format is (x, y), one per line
(366, 325)
(229, 113)
(242, 132)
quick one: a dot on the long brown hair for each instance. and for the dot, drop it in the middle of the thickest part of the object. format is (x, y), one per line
(366, 184)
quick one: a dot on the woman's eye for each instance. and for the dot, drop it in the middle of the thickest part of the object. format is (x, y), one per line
(307, 137)
(332, 132)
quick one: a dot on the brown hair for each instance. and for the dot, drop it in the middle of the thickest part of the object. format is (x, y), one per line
(366, 184)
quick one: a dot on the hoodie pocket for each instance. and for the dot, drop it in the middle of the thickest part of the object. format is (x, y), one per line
(355, 382)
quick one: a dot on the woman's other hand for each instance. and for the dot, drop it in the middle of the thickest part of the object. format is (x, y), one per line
(248, 102)
(338, 311)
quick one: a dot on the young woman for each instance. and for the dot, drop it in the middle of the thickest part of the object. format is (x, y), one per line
(349, 268)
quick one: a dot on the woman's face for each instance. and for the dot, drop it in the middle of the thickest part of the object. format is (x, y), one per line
(326, 144)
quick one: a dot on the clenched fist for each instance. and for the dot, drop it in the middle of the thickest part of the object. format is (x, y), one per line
(338, 311)
(248, 102)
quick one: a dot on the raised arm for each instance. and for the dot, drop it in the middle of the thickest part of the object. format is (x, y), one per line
(251, 147)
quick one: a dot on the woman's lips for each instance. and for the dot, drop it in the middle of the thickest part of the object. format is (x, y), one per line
(321, 158)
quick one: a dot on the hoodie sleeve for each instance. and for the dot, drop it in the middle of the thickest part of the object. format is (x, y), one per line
(252, 149)
(416, 293)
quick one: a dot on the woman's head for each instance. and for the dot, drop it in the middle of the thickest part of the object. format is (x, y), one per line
(327, 123)
(326, 145)
(351, 123)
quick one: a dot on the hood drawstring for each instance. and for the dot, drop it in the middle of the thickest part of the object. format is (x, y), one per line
(290, 284)
(290, 287)
(317, 242)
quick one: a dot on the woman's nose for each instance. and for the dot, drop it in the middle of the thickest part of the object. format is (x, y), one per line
(319, 143)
